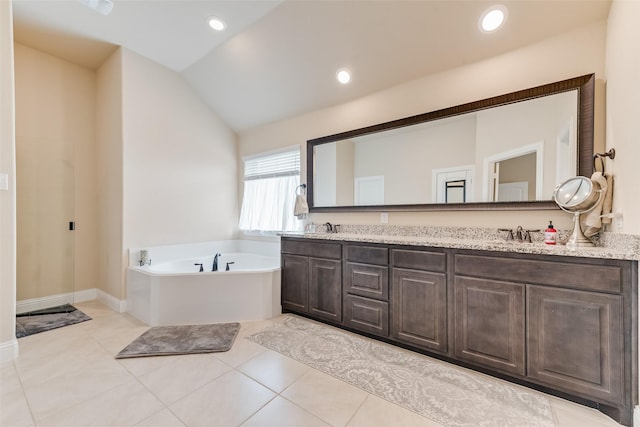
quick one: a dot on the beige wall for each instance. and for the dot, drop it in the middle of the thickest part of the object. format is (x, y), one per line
(55, 141)
(623, 110)
(534, 65)
(109, 174)
(168, 169)
(8, 342)
(180, 161)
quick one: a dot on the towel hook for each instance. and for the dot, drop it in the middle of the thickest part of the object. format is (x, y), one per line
(304, 189)
(610, 154)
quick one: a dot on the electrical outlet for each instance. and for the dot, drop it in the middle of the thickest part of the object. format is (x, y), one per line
(384, 217)
(618, 221)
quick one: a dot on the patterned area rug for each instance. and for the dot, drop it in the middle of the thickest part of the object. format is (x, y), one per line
(38, 321)
(442, 392)
(185, 339)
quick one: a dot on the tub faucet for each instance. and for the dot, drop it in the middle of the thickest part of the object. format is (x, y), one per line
(215, 262)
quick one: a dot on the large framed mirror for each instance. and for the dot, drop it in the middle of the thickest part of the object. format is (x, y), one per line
(507, 152)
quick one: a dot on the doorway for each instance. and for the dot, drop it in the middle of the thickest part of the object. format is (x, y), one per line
(452, 185)
(45, 208)
(515, 175)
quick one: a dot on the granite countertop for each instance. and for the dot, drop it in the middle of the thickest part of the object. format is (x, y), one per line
(624, 250)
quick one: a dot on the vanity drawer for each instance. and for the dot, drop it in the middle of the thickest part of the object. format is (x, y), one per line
(602, 277)
(366, 315)
(419, 260)
(312, 249)
(366, 280)
(367, 254)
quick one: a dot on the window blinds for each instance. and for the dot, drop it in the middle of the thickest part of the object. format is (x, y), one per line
(286, 163)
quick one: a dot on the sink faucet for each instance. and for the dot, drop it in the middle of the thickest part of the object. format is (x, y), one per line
(521, 235)
(215, 262)
(332, 228)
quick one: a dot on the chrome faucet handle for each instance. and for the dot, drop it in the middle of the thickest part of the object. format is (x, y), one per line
(509, 233)
(527, 235)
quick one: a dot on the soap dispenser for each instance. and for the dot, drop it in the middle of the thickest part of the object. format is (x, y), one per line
(550, 235)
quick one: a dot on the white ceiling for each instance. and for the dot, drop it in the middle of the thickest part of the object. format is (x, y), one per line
(278, 59)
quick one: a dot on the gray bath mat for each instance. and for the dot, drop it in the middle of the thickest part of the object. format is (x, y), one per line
(184, 339)
(50, 318)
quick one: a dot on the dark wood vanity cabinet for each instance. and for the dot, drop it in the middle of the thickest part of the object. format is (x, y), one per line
(366, 289)
(312, 278)
(489, 318)
(576, 341)
(564, 325)
(419, 302)
(295, 283)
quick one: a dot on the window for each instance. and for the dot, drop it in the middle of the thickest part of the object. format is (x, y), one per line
(270, 182)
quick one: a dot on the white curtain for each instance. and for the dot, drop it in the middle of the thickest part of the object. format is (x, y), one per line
(267, 204)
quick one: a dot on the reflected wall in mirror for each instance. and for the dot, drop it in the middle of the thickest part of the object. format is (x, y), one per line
(506, 152)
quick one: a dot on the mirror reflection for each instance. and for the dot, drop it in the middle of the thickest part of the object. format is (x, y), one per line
(516, 152)
(506, 152)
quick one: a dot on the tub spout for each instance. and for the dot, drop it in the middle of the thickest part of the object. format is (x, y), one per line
(215, 262)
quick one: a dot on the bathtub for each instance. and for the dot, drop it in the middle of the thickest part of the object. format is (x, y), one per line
(172, 290)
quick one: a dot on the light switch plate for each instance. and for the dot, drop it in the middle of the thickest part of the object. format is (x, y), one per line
(4, 182)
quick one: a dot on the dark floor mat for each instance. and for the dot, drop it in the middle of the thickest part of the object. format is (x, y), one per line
(66, 308)
(183, 339)
(51, 318)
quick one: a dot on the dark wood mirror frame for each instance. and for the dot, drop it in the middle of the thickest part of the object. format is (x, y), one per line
(585, 86)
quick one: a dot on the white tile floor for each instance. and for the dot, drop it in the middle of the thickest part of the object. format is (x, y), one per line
(68, 377)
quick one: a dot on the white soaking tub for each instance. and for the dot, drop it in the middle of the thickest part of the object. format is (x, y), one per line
(173, 291)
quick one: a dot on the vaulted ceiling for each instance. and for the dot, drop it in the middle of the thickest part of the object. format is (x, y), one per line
(278, 59)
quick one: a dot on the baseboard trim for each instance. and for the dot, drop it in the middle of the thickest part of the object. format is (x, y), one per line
(8, 350)
(86, 295)
(32, 304)
(112, 302)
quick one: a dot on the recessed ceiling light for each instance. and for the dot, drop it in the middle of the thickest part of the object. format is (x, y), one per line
(343, 75)
(493, 18)
(217, 23)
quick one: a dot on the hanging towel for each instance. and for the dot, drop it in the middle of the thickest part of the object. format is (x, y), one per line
(592, 223)
(608, 199)
(301, 208)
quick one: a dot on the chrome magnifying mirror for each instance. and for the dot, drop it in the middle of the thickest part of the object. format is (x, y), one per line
(578, 195)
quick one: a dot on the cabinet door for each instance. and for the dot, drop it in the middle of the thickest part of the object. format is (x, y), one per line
(490, 323)
(295, 283)
(419, 308)
(575, 341)
(325, 288)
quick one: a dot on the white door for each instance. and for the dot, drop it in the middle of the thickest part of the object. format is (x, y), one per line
(513, 192)
(440, 178)
(368, 190)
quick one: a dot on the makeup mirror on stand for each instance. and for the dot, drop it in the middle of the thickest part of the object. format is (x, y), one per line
(578, 195)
